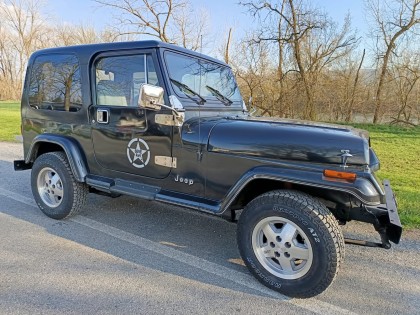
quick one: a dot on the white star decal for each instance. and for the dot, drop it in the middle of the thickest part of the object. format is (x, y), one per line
(140, 153)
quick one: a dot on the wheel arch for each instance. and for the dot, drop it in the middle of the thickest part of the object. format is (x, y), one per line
(45, 143)
(259, 181)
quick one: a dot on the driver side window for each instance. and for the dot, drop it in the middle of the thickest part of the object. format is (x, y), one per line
(118, 79)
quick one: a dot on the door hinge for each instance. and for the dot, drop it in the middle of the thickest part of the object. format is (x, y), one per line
(166, 161)
(168, 120)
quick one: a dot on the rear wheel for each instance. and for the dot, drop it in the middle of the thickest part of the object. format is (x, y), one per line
(54, 187)
(291, 243)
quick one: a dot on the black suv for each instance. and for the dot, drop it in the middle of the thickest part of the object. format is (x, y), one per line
(159, 122)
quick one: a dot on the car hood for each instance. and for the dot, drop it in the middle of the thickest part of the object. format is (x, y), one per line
(288, 140)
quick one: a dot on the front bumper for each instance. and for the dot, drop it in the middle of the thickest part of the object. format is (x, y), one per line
(393, 225)
(383, 217)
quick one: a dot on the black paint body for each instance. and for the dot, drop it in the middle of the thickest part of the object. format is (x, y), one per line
(220, 148)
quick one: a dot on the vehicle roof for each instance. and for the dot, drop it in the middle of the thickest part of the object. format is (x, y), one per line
(87, 51)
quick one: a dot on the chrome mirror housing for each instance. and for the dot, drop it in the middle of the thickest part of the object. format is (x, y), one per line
(150, 97)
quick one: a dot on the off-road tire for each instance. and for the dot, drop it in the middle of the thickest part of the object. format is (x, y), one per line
(322, 232)
(74, 193)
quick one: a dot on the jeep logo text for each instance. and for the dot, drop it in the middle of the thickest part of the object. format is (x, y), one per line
(184, 180)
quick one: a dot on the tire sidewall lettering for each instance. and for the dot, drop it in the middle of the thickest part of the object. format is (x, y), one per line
(261, 275)
(299, 220)
(314, 220)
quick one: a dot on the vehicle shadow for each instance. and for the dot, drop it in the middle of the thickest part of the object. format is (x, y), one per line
(213, 240)
(200, 236)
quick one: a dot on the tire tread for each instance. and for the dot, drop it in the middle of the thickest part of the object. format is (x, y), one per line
(80, 190)
(321, 217)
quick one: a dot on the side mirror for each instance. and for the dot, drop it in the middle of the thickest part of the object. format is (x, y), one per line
(150, 97)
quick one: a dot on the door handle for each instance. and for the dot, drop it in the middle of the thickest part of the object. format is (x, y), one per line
(102, 116)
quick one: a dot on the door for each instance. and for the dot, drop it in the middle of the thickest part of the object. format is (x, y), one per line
(125, 137)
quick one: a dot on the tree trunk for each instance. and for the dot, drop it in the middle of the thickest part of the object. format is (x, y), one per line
(308, 112)
(227, 46)
(356, 79)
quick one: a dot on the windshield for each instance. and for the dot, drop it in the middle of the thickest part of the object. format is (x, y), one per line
(198, 75)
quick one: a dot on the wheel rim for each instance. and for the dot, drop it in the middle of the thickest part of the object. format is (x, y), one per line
(282, 248)
(50, 187)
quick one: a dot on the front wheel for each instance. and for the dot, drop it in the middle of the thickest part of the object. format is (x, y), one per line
(290, 242)
(54, 187)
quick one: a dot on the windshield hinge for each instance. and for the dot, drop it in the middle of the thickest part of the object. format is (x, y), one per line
(169, 120)
(165, 161)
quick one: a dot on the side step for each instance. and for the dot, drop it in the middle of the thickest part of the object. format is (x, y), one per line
(120, 186)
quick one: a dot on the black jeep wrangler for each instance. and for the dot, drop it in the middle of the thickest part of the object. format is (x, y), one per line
(159, 122)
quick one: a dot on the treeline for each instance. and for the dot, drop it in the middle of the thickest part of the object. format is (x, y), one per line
(295, 61)
(24, 29)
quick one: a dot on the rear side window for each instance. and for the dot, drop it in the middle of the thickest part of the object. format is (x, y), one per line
(55, 83)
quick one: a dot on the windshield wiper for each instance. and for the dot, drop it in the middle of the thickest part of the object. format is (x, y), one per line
(185, 88)
(219, 96)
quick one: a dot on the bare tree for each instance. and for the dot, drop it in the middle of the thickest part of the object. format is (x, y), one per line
(393, 20)
(273, 29)
(189, 27)
(256, 72)
(406, 74)
(66, 35)
(24, 29)
(24, 32)
(227, 46)
(312, 38)
(352, 97)
(340, 89)
(171, 21)
(8, 62)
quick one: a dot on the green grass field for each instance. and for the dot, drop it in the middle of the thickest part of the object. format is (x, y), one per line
(398, 149)
(9, 120)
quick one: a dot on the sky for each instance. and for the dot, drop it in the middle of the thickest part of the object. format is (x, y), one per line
(223, 14)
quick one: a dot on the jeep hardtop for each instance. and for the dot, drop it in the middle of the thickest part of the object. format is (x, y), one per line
(159, 122)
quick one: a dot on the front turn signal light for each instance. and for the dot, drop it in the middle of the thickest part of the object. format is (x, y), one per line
(340, 175)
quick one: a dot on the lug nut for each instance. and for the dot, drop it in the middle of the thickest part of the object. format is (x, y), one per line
(287, 245)
(272, 244)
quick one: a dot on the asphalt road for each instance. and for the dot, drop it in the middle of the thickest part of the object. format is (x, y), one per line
(126, 255)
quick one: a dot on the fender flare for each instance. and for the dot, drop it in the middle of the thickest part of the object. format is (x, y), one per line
(70, 147)
(362, 189)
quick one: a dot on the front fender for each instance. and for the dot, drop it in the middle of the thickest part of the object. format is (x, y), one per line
(362, 188)
(70, 146)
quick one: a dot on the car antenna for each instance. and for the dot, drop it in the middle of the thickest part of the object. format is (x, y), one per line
(199, 152)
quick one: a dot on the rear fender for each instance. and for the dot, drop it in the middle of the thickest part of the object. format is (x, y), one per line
(70, 147)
